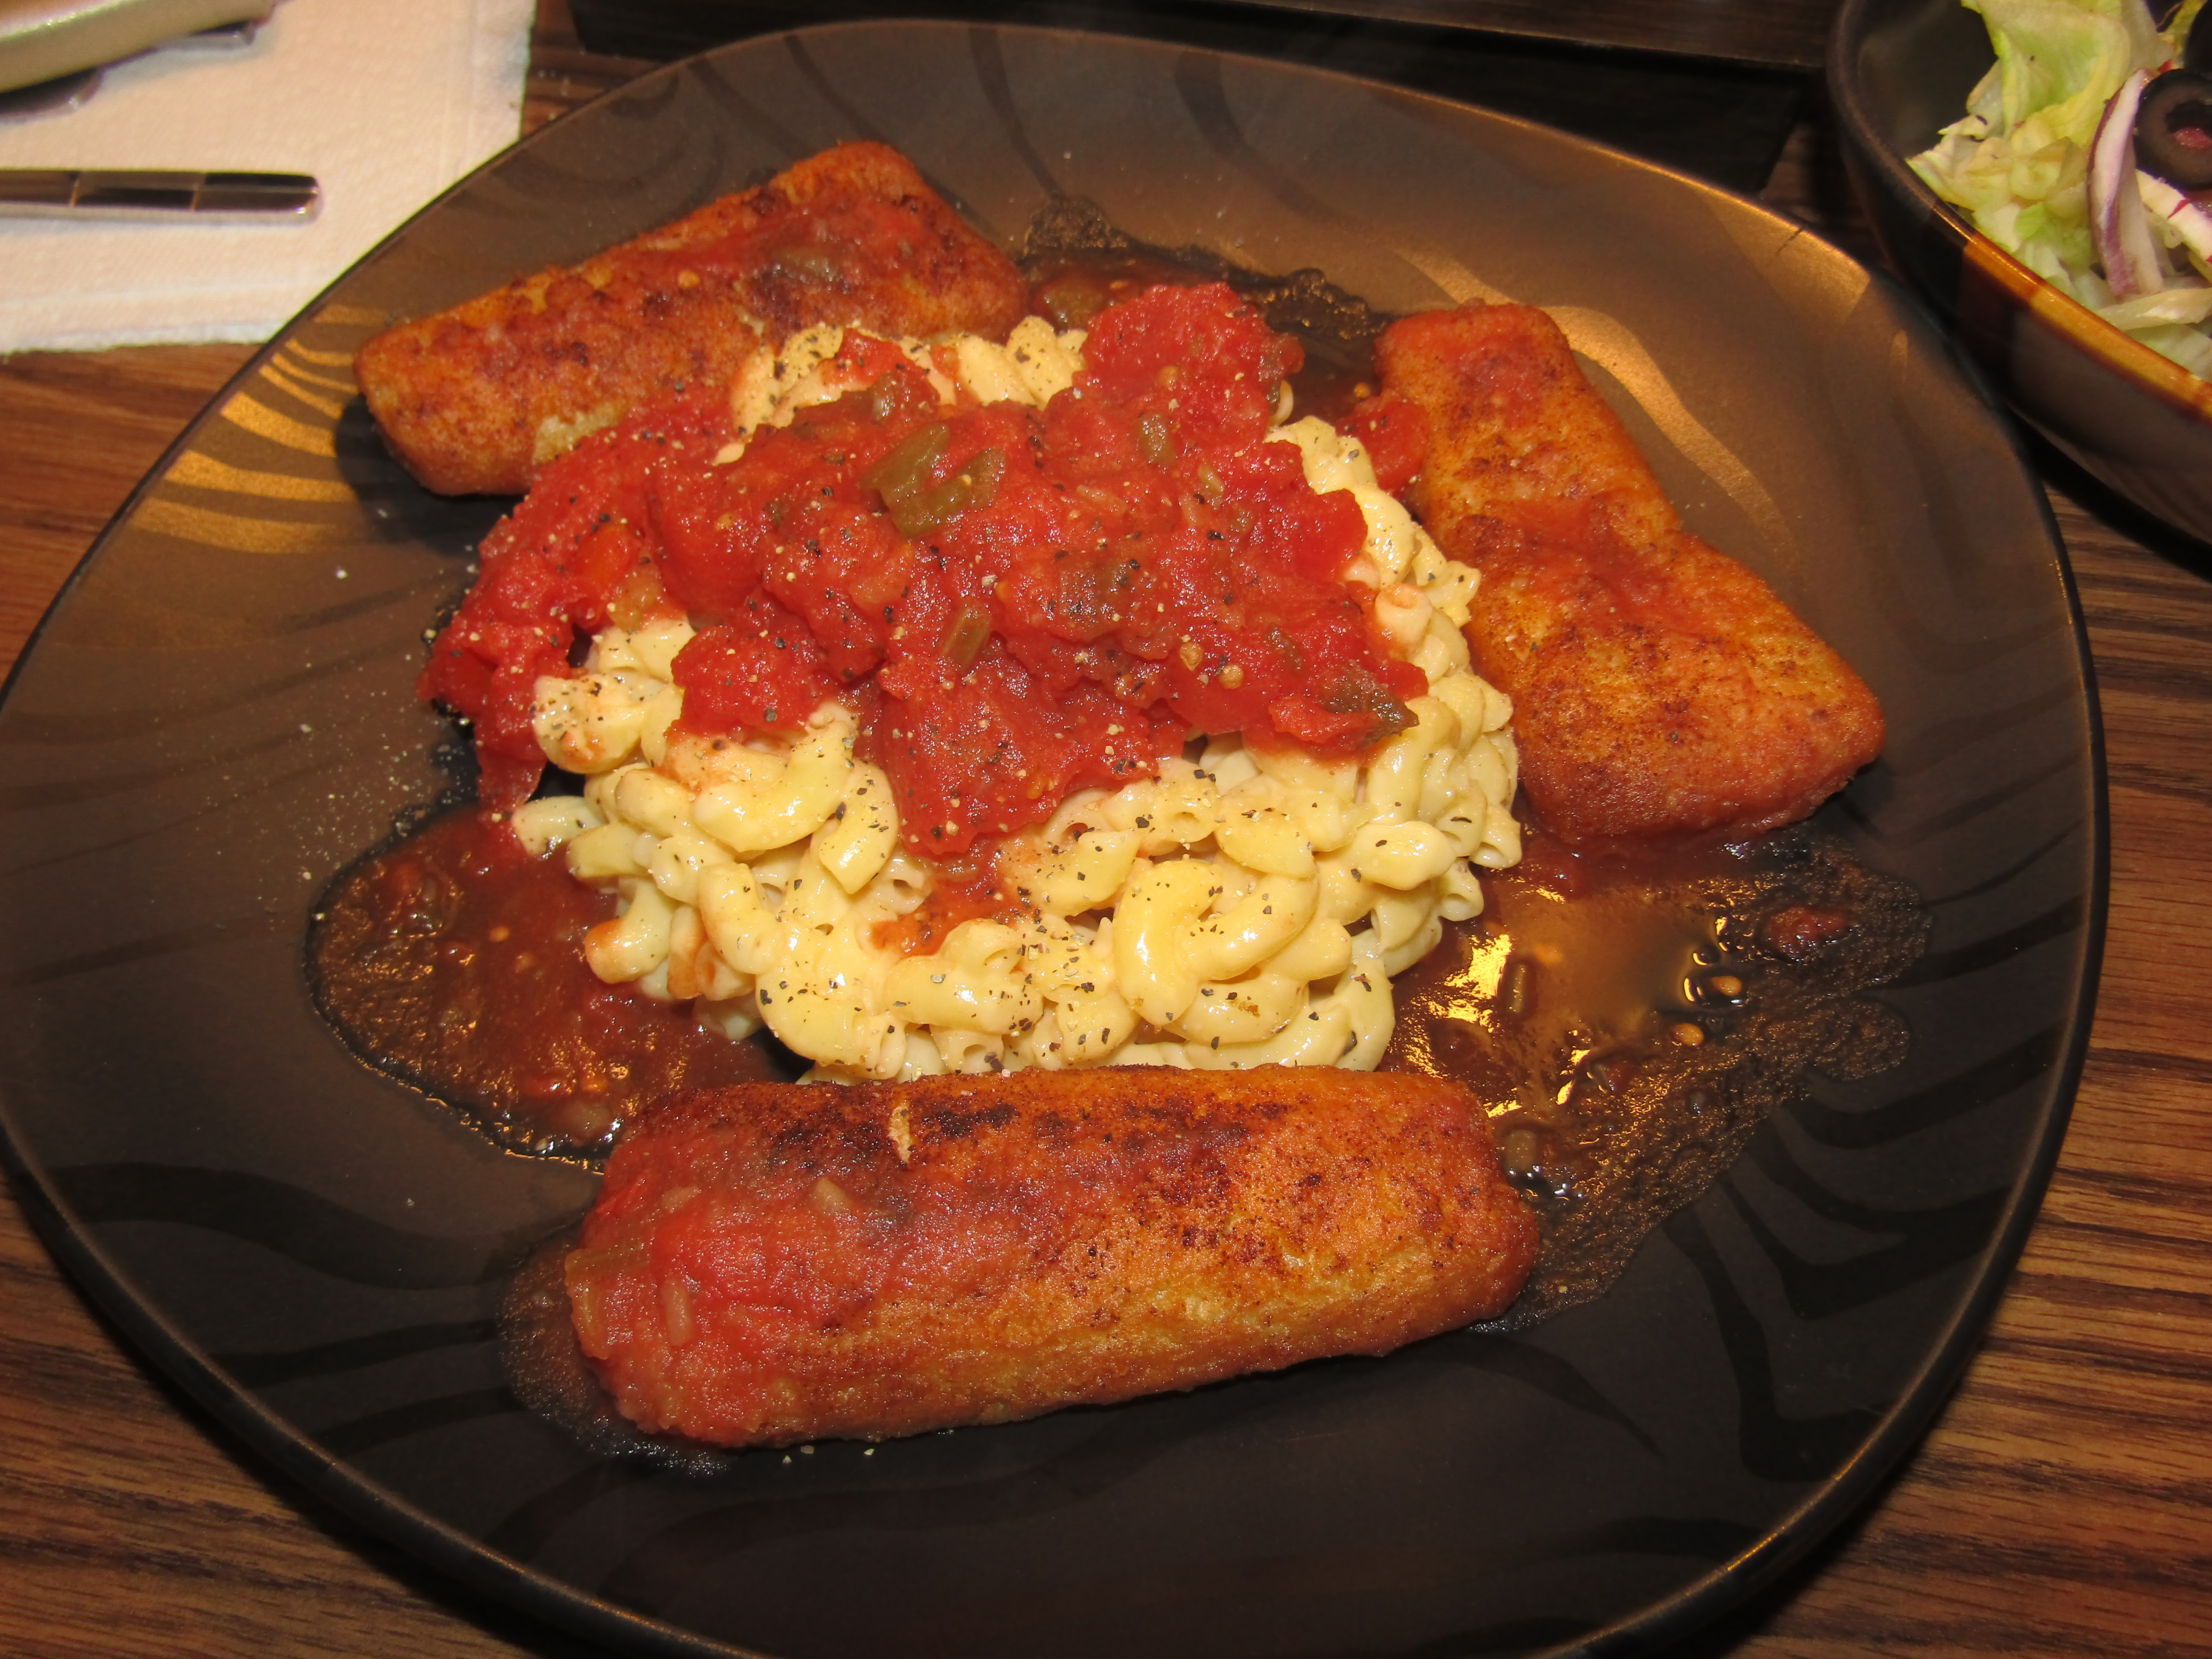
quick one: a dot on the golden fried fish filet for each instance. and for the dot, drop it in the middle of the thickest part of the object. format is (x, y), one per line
(478, 398)
(1659, 687)
(776, 1262)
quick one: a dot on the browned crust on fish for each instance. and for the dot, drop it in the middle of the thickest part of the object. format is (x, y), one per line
(771, 1263)
(476, 399)
(1659, 687)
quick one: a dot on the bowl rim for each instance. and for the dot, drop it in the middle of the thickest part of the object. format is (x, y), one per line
(2187, 394)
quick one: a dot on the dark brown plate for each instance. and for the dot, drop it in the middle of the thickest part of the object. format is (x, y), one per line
(218, 714)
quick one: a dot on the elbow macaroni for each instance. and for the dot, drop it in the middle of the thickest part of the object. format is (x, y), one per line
(776, 382)
(1243, 908)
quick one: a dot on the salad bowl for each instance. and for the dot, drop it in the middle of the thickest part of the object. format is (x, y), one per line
(1899, 71)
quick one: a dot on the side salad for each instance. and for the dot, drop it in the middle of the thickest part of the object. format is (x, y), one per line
(2086, 153)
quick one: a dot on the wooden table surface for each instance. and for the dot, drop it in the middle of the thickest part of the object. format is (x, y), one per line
(2062, 1505)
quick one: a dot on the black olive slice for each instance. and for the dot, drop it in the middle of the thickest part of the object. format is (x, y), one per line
(2173, 127)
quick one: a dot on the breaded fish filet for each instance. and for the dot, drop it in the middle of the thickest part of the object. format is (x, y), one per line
(770, 1263)
(1659, 688)
(477, 398)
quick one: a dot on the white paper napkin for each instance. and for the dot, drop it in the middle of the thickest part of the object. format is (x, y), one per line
(384, 101)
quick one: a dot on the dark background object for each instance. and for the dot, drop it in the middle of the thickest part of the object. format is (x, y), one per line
(1792, 33)
(1596, 71)
(1769, 34)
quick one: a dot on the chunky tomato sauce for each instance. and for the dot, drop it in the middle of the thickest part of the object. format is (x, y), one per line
(1021, 603)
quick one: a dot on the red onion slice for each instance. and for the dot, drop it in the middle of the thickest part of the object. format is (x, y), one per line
(2178, 210)
(2116, 220)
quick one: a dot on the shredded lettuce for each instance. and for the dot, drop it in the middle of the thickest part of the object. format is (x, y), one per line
(2018, 162)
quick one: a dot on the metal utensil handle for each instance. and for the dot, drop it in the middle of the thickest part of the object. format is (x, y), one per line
(209, 198)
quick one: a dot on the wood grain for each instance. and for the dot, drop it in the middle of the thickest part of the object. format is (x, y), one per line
(2062, 1505)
